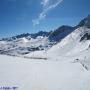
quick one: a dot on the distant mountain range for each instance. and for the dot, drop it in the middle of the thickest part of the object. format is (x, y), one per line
(27, 43)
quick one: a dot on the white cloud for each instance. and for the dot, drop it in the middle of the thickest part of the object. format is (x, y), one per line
(47, 6)
(45, 2)
(40, 17)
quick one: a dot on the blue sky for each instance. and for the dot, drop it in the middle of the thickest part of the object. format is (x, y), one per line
(22, 16)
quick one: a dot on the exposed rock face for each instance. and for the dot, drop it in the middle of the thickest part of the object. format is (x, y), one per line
(85, 22)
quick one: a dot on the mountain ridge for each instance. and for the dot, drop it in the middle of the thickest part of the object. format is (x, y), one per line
(42, 40)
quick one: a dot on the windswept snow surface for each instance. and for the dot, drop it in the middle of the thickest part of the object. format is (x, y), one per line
(48, 74)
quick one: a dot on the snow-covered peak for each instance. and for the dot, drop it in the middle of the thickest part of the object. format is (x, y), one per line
(24, 40)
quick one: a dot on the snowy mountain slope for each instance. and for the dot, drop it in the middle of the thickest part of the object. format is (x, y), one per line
(23, 45)
(71, 41)
(65, 66)
(27, 43)
(48, 74)
(64, 69)
(76, 46)
(73, 44)
(73, 48)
